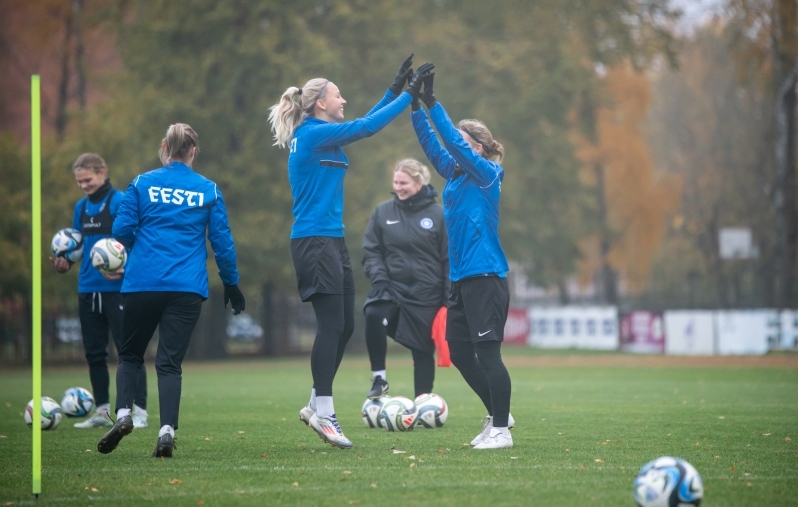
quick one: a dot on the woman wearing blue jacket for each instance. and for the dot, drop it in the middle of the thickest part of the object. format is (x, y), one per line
(310, 122)
(479, 299)
(163, 221)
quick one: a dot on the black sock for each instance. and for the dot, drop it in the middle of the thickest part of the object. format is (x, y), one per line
(490, 357)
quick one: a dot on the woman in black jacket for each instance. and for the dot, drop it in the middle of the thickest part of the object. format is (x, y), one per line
(405, 255)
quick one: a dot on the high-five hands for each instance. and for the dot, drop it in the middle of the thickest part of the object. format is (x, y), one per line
(428, 95)
(423, 72)
(403, 76)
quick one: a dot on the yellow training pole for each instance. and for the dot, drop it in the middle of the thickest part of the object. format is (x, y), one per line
(36, 275)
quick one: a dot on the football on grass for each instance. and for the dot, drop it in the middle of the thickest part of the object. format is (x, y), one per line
(398, 414)
(50, 416)
(432, 410)
(668, 482)
(77, 402)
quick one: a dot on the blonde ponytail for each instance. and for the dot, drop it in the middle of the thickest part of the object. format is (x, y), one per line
(179, 139)
(288, 114)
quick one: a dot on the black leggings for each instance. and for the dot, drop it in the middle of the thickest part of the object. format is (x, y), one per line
(377, 344)
(481, 366)
(335, 317)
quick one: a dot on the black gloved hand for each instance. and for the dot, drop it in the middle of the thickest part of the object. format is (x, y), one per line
(423, 72)
(233, 295)
(378, 289)
(428, 95)
(403, 76)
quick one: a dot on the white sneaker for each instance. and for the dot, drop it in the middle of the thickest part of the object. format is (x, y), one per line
(305, 414)
(100, 419)
(330, 431)
(496, 440)
(139, 420)
(488, 425)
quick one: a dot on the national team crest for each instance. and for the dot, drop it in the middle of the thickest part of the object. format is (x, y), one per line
(426, 223)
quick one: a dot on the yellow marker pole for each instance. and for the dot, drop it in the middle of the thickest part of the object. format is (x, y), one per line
(36, 275)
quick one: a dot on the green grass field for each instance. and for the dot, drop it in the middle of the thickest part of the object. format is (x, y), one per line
(582, 432)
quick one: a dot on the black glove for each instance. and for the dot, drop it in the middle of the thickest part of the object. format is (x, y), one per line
(415, 105)
(423, 72)
(403, 76)
(233, 295)
(428, 95)
(378, 289)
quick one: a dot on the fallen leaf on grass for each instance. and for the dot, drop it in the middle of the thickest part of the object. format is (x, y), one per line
(567, 449)
(397, 451)
(9, 503)
(347, 472)
(581, 466)
(355, 501)
(513, 457)
(440, 449)
(264, 455)
(599, 460)
(411, 457)
(373, 484)
(200, 502)
(295, 484)
(412, 465)
(605, 443)
(749, 484)
(241, 432)
(88, 450)
(721, 417)
(766, 434)
(733, 469)
(207, 439)
(787, 439)
(92, 489)
(175, 481)
(3, 436)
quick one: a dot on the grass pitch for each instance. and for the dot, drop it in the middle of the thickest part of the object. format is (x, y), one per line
(585, 423)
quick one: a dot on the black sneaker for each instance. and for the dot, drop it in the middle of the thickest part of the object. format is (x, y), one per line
(164, 447)
(122, 427)
(378, 388)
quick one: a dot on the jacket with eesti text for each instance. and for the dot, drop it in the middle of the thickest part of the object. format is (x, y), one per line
(163, 221)
(317, 165)
(470, 197)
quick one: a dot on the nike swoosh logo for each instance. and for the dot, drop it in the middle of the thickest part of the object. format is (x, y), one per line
(486, 332)
(391, 222)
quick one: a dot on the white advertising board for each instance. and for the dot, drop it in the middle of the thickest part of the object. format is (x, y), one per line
(593, 327)
(689, 333)
(789, 331)
(744, 331)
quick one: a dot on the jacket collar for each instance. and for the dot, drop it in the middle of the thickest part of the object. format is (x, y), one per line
(421, 199)
(101, 192)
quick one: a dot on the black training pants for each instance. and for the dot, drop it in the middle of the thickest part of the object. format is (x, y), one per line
(335, 317)
(100, 312)
(175, 314)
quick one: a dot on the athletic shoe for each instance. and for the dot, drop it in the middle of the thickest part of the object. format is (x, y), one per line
(100, 419)
(122, 428)
(330, 431)
(378, 388)
(487, 426)
(496, 440)
(164, 447)
(139, 420)
(305, 414)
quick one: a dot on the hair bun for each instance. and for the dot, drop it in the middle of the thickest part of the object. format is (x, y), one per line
(299, 91)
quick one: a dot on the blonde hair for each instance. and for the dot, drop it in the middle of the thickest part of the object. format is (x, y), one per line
(89, 161)
(492, 149)
(288, 114)
(179, 139)
(414, 169)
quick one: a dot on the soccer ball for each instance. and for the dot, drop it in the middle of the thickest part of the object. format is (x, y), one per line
(68, 243)
(371, 412)
(398, 414)
(77, 402)
(668, 482)
(432, 410)
(108, 255)
(51, 414)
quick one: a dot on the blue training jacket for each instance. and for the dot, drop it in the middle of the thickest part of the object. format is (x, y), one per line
(317, 166)
(470, 197)
(89, 278)
(163, 221)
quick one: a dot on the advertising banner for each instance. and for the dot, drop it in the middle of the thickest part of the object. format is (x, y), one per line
(643, 332)
(591, 327)
(744, 331)
(516, 330)
(689, 332)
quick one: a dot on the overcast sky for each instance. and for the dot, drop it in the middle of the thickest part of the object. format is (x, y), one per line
(697, 12)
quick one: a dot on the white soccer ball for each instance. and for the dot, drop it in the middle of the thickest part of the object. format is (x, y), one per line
(50, 416)
(398, 414)
(371, 412)
(432, 410)
(108, 255)
(77, 402)
(68, 243)
(668, 482)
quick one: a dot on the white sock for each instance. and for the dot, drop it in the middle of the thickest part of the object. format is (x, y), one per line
(381, 373)
(495, 431)
(312, 401)
(122, 412)
(324, 406)
(140, 411)
(105, 407)
(166, 429)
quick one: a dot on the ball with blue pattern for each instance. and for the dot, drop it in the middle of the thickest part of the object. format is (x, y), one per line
(668, 482)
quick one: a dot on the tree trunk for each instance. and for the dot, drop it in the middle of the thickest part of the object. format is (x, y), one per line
(608, 285)
(209, 340)
(63, 86)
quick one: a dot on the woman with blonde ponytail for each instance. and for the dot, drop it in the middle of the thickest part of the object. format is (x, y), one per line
(309, 121)
(479, 299)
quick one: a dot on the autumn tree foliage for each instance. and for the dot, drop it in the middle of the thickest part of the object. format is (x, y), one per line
(634, 199)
